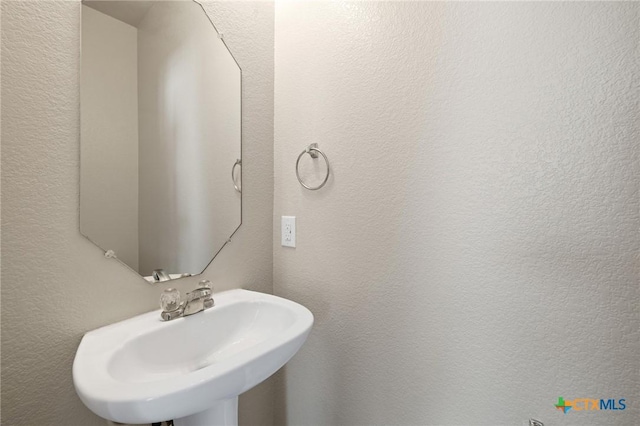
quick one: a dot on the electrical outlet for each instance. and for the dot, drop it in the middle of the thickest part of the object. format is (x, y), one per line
(288, 231)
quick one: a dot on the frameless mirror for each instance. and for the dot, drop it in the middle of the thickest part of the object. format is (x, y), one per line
(160, 180)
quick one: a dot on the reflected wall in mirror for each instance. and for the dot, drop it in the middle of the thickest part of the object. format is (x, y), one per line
(160, 135)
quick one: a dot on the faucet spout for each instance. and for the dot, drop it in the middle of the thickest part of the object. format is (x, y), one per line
(196, 301)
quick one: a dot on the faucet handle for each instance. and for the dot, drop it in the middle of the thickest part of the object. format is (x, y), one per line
(206, 288)
(205, 284)
(170, 299)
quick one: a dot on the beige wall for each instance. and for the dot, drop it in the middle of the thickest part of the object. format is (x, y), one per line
(109, 134)
(56, 285)
(474, 254)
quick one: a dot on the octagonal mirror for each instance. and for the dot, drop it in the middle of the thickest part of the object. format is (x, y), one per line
(160, 162)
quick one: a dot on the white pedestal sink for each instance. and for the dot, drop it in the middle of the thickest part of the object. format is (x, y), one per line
(190, 370)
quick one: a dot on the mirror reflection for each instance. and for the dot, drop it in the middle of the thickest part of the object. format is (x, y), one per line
(160, 180)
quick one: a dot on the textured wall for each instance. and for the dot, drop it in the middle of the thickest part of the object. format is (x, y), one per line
(474, 255)
(55, 284)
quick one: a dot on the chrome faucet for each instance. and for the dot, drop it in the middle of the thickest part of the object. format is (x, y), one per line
(196, 301)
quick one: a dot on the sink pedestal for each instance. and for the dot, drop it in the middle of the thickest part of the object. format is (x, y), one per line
(223, 413)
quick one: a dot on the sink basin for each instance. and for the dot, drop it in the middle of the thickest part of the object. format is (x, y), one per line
(192, 369)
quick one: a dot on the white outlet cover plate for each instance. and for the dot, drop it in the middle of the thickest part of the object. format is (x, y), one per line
(288, 231)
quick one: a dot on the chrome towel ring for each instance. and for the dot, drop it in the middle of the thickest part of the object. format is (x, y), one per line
(233, 175)
(313, 151)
